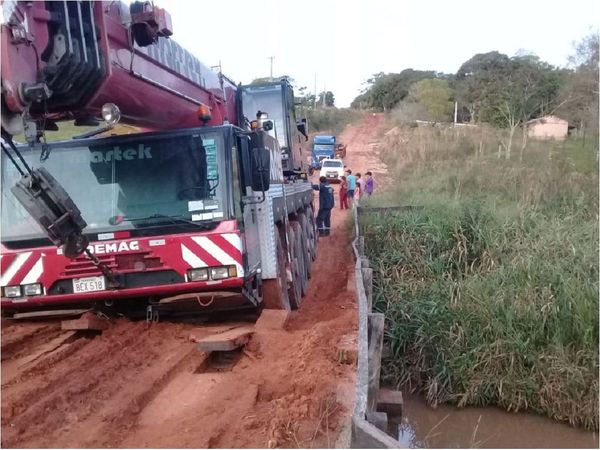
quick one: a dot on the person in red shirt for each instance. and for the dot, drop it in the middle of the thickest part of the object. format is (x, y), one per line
(344, 193)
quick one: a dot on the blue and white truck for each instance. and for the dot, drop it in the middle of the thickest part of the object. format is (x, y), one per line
(323, 148)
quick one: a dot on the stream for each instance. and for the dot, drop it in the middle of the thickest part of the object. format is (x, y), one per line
(450, 427)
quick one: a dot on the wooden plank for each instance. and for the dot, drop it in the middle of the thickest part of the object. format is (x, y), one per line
(46, 348)
(387, 209)
(88, 321)
(368, 283)
(376, 322)
(201, 332)
(56, 313)
(230, 340)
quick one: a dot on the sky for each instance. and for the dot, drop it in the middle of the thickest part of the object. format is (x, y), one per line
(343, 43)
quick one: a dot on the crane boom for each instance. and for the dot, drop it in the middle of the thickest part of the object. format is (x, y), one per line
(62, 60)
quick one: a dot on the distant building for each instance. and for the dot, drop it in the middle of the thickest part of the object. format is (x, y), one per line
(548, 127)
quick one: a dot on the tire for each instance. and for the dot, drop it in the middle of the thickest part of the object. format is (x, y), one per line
(312, 224)
(296, 265)
(303, 250)
(308, 243)
(275, 292)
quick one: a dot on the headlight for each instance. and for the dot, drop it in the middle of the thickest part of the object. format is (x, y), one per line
(198, 274)
(32, 289)
(218, 273)
(12, 291)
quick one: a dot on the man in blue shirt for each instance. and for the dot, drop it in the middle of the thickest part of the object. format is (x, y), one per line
(326, 203)
(351, 179)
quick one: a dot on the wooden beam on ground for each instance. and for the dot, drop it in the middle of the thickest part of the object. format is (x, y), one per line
(88, 321)
(387, 209)
(51, 314)
(47, 348)
(223, 342)
(376, 323)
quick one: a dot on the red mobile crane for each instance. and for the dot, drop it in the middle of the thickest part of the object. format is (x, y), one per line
(207, 213)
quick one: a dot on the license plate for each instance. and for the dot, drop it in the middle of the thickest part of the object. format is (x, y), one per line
(332, 175)
(88, 284)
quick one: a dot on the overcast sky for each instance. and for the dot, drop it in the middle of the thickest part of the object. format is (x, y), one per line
(344, 42)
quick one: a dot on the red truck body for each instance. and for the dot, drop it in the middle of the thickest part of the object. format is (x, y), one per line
(163, 75)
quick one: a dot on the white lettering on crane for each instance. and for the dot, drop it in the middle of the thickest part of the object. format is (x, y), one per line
(113, 247)
(116, 154)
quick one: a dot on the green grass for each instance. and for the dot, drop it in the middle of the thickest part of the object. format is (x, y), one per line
(491, 290)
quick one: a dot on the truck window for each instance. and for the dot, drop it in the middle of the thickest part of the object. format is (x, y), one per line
(168, 175)
(332, 164)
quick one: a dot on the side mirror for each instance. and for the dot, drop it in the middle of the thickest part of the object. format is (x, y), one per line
(302, 126)
(260, 164)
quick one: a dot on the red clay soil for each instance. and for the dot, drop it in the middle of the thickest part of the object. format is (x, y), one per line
(148, 386)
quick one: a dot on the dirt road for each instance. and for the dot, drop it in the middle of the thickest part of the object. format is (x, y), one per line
(148, 386)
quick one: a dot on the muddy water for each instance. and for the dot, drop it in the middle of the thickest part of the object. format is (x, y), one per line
(448, 427)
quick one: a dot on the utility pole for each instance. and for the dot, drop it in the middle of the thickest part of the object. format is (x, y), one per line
(315, 99)
(455, 111)
(271, 58)
(324, 93)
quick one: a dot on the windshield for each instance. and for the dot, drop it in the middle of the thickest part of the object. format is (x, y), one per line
(115, 180)
(323, 148)
(266, 99)
(332, 164)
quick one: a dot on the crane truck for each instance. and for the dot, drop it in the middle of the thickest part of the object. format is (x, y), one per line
(210, 210)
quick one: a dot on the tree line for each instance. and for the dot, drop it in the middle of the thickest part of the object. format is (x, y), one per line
(496, 89)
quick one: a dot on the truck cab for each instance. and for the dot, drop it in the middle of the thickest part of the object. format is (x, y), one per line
(277, 100)
(323, 148)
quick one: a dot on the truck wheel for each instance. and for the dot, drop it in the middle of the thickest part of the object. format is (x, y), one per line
(307, 241)
(312, 225)
(296, 265)
(303, 256)
(275, 292)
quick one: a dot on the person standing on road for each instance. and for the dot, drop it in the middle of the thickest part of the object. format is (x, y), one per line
(326, 203)
(351, 186)
(360, 187)
(369, 184)
(344, 193)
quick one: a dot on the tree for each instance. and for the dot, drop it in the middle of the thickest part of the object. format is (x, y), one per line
(385, 91)
(436, 97)
(473, 80)
(579, 93)
(507, 92)
(329, 99)
(525, 88)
